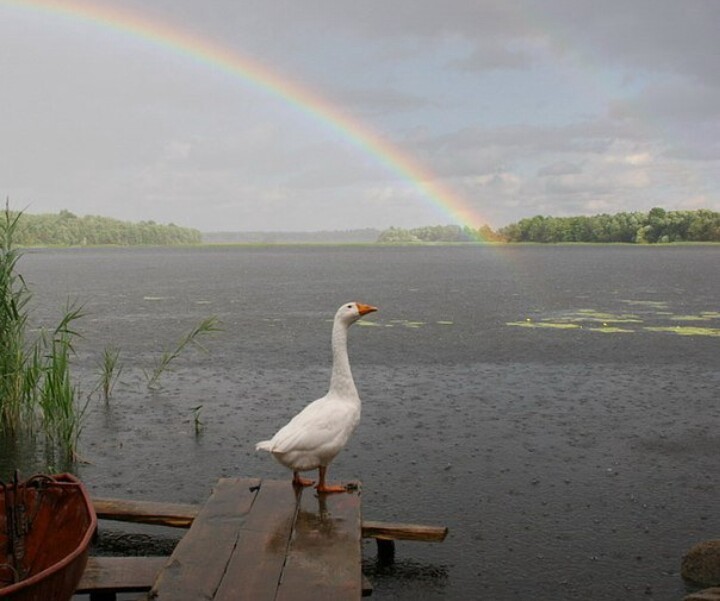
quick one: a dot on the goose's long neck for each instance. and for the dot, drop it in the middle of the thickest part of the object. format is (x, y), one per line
(341, 380)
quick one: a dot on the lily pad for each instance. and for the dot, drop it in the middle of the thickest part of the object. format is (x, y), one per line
(612, 323)
(606, 318)
(686, 330)
(414, 324)
(544, 324)
(647, 303)
(689, 318)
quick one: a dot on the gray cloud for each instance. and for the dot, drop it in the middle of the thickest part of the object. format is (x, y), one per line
(521, 107)
(560, 168)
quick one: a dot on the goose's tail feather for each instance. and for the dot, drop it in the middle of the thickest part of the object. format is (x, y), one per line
(265, 445)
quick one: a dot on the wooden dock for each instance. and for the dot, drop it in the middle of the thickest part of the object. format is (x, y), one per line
(253, 539)
(266, 540)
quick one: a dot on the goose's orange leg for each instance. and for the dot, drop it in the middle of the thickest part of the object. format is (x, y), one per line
(298, 481)
(323, 487)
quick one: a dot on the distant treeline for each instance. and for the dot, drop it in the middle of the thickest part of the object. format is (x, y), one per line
(438, 233)
(361, 236)
(67, 229)
(656, 226)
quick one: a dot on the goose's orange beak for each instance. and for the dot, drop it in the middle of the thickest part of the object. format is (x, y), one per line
(365, 309)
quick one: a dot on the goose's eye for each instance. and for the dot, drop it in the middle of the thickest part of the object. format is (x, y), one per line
(349, 306)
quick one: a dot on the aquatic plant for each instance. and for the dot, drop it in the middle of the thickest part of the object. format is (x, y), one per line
(543, 324)
(62, 418)
(35, 383)
(591, 320)
(685, 330)
(14, 296)
(196, 419)
(206, 326)
(110, 370)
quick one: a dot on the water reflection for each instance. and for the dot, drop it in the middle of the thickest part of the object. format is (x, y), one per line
(28, 453)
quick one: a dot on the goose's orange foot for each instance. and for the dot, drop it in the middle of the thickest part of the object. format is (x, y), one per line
(331, 488)
(298, 481)
(324, 488)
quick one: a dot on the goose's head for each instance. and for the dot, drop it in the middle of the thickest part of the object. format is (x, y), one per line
(349, 313)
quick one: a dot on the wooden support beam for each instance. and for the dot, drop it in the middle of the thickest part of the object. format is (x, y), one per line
(367, 587)
(182, 515)
(178, 515)
(708, 594)
(397, 531)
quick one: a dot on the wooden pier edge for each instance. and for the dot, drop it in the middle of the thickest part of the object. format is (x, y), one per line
(232, 513)
(104, 577)
(181, 515)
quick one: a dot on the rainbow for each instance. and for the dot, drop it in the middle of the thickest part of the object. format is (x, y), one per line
(257, 75)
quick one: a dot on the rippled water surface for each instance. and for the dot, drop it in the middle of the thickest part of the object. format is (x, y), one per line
(555, 407)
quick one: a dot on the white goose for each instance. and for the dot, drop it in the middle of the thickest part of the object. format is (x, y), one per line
(318, 433)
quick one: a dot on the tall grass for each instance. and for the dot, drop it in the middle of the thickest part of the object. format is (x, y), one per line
(62, 418)
(110, 370)
(35, 381)
(197, 422)
(206, 326)
(15, 384)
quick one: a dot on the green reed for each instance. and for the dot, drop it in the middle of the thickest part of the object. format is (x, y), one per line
(206, 326)
(110, 370)
(197, 422)
(35, 381)
(62, 417)
(14, 296)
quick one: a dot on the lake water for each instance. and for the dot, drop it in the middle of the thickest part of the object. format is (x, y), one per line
(541, 402)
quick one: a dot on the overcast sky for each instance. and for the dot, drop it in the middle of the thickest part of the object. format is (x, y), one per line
(520, 107)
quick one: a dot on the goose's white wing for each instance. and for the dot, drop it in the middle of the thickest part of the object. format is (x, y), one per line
(320, 428)
(315, 435)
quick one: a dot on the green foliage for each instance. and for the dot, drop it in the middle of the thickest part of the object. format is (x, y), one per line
(197, 422)
(206, 326)
(16, 384)
(110, 370)
(438, 233)
(656, 226)
(67, 229)
(35, 382)
(61, 416)
(397, 236)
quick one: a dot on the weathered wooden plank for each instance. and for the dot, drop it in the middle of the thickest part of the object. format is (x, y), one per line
(179, 515)
(397, 531)
(182, 515)
(257, 562)
(120, 574)
(708, 594)
(324, 558)
(197, 565)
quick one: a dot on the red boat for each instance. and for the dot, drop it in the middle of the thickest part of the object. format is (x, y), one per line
(46, 525)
